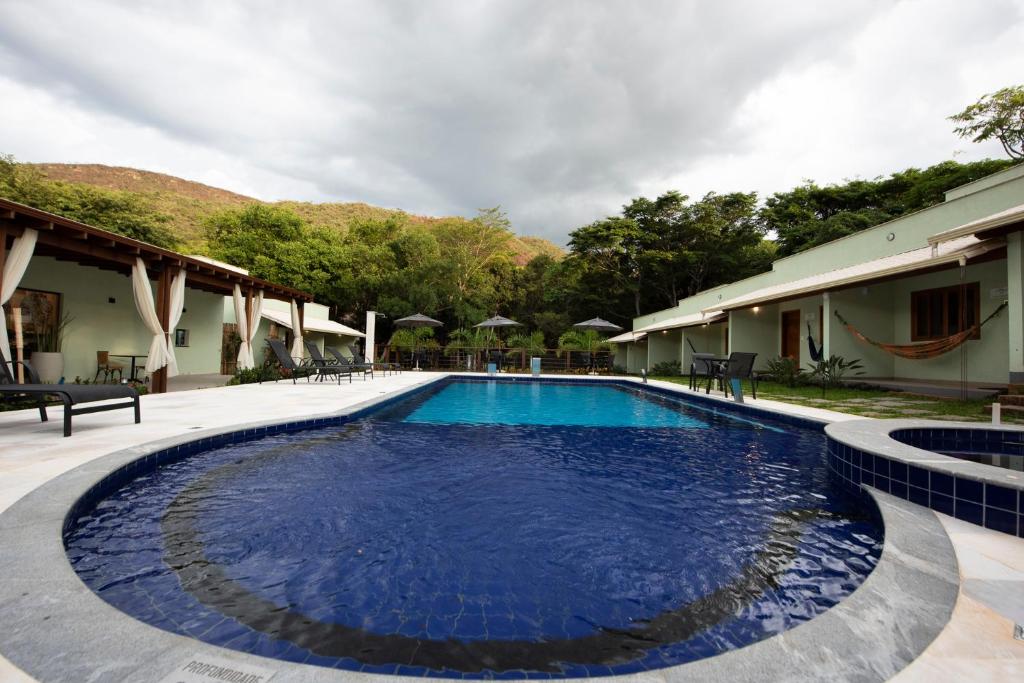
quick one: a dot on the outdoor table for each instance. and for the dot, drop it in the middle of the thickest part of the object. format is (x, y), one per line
(134, 357)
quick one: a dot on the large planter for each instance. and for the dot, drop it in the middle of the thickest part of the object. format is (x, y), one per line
(49, 366)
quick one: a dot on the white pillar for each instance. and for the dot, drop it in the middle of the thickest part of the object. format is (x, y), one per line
(371, 330)
(1015, 297)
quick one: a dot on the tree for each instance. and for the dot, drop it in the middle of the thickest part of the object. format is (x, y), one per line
(127, 213)
(811, 214)
(998, 115)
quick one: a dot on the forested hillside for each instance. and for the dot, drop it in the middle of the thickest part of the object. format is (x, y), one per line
(355, 257)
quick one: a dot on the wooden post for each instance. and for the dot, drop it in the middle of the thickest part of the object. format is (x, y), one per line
(3, 249)
(302, 316)
(163, 312)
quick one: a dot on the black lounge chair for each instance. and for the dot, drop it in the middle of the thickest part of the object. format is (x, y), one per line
(340, 361)
(301, 368)
(325, 368)
(739, 366)
(383, 365)
(702, 367)
(69, 394)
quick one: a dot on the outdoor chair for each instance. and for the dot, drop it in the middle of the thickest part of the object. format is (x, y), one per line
(383, 365)
(607, 363)
(701, 368)
(105, 367)
(69, 394)
(350, 365)
(739, 366)
(325, 368)
(296, 368)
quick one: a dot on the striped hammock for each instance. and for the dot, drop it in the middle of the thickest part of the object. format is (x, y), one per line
(924, 350)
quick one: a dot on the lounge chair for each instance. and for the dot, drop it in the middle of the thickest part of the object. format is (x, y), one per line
(341, 361)
(325, 368)
(702, 367)
(69, 394)
(386, 367)
(300, 368)
(739, 366)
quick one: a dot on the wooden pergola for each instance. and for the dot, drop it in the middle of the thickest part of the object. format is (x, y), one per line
(68, 240)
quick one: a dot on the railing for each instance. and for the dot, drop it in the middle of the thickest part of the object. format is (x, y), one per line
(469, 359)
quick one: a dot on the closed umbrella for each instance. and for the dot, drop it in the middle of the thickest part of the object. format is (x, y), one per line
(417, 320)
(497, 322)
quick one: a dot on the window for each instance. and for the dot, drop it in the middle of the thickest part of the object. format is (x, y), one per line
(40, 318)
(943, 312)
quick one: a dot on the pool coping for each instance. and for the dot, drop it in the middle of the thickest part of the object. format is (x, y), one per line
(866, 452)
(51, 617)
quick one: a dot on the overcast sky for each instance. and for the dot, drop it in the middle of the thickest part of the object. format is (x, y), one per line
(559, 111)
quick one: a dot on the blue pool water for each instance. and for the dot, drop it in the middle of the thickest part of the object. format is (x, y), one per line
(489, 529)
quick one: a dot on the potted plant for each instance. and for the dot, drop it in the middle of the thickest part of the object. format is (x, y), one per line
(47, 336)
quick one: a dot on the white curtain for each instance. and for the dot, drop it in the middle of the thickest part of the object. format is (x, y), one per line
(14, 269)
(244, 350)
(296, 332)
(177, 306)
(247, 327)
(158, 356)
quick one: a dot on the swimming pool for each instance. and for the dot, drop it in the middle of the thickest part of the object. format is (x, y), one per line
(489, 528)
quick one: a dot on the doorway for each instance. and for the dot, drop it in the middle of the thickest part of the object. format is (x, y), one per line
(791, 334)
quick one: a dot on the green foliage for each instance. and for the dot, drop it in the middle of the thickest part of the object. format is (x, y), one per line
(264, 373)
(582, 340)
(531, 343)
(811, 215)
(669, 368)
(471, 338)
(411, 338)
(829, 372)
(785, 371)
(127, 213)
(998, 115)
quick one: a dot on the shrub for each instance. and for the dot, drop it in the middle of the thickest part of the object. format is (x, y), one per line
(265, 373)
(829, 373)
(785, 371)
(670, 368)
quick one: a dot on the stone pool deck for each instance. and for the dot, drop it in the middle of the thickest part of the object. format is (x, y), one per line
(977, 644)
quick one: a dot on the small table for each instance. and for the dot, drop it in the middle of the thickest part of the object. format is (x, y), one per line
(134, 357)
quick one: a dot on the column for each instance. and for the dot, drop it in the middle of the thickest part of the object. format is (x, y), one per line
(1015, 296)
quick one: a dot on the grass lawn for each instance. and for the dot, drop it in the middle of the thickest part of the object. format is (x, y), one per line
(871, 402)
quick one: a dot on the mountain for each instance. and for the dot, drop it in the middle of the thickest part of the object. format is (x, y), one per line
(188, 203)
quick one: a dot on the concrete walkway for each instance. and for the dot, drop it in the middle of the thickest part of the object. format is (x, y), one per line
(977, 644)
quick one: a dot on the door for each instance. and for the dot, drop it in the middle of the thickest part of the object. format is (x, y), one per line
(791, 334)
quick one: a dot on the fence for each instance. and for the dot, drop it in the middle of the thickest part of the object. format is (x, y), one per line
(513, 360)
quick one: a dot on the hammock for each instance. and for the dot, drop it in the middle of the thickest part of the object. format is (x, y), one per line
(924, 350)
(817, 354)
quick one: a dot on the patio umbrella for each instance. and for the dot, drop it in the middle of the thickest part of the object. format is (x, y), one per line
(496, 323)
(417, 320)
(598, 325)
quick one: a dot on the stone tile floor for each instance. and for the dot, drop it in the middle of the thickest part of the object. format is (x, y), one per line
(976, 645)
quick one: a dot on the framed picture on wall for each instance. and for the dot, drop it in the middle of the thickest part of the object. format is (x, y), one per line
(181, 337)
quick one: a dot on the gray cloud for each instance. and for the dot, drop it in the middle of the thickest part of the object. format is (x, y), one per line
(560, 111)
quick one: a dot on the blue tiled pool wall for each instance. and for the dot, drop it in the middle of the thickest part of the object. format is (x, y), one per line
(945, 439)
(989, 505)
(171, 454)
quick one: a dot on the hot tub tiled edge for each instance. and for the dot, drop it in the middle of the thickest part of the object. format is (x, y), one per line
(864, 453)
